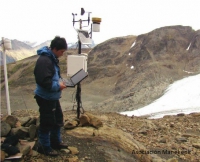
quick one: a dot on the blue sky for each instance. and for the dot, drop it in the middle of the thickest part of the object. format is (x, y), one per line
(40, 20)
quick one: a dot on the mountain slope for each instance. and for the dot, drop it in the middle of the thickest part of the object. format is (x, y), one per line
(159, 58)
(125, 73)
(20, 50)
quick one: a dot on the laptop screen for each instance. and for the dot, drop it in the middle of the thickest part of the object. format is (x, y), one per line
(80, 75)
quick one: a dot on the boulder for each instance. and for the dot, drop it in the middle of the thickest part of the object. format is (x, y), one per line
(84, 120)
(88, 119)
(25, 149)
(11, 120)
(94, 121)
(163, 140)
(38, 122)
(143, 131)
(70, 124)
(5, 128)
(32, 121)
(66, 151)
(32, 131)
(34, 153)
(18, 124)
(24, 120)
(21, 132)
(181, 139)
(196, 145)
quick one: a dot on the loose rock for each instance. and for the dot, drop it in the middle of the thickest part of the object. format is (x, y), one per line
(73, 150)
(70, 124)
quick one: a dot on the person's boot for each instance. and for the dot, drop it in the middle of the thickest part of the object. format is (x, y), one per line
(47, 151)
(58, 146)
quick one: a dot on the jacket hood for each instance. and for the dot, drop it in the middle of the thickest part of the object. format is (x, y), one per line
(45, 51)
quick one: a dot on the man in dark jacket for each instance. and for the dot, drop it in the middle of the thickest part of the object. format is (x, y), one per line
(47, 95)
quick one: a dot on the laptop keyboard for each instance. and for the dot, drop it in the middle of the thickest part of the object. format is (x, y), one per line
(67, 82)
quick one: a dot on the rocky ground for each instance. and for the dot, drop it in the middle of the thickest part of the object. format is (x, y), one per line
(123, 138)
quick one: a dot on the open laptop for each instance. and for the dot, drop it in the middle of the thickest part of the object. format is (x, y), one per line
(76, 78)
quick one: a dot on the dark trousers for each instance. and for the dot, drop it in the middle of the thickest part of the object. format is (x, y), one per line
(51, 120)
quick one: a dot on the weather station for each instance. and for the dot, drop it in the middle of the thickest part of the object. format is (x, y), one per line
(6, 45)
(78, 62)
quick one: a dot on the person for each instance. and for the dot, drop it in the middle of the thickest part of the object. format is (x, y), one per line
(47, 94)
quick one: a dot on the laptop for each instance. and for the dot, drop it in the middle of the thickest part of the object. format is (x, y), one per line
(76, 78)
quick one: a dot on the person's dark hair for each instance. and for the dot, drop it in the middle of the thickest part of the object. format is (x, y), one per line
(58, 43)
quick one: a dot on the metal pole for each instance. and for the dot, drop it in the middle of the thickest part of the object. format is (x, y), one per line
(78, 92)
(6, 79)
(78, 98)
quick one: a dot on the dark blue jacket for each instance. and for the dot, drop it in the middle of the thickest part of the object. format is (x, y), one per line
(47, 75)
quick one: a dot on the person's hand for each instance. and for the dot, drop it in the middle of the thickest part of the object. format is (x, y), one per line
(62, 86)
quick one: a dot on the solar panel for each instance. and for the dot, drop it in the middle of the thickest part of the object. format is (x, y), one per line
(84, 37)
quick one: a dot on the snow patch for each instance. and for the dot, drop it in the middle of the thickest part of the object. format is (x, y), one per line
(182, 96)
(133, 44)
(188, 47)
